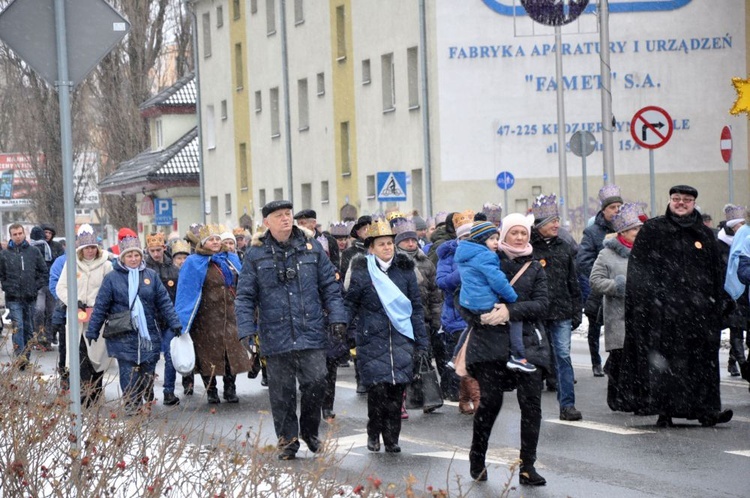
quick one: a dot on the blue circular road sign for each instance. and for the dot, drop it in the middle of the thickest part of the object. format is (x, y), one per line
(505, 180)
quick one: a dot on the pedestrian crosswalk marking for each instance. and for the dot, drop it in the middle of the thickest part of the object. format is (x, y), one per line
(461, 456)
(744, 453)
(596, 426)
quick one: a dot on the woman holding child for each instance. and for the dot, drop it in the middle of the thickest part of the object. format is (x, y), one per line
(488, 350)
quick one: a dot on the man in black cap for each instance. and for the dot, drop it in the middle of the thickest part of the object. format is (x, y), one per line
(293, 285)
(674, 301)
(308, 219)
(358, 244)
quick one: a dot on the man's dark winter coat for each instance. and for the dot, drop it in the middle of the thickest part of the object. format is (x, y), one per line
(291, 305)
(673, 308)
(22, 272)
(384, 355)
(55, 247)
(558, 261)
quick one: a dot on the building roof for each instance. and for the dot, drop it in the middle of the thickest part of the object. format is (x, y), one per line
(178, 164)
(182, 93)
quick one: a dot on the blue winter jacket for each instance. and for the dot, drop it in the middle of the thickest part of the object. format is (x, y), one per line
(384, 355)
(743, 270)
(482, 281)
(55, 272)
(448, 279)
(113, 298)
(292, 288)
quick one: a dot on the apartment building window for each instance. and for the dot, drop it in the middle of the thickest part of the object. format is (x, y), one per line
(275, 122)
(278, 194)
(412, 70)
(159, 132)
(321, 84)
(389, 83)
(210, 127)
(236, 9)
(299, 12)
(258, 102)
(262, 197)
(243, 167)
(306, 195)
(227, 203)
(304, 105)
(270, 17)
(370, 187)
(206, 17)
(253, 6)
(324, 194)
(214, 209)
(239, 66)
(340, 33)
(366, 76)
(223, 110)
(219, 16)
(346, 165)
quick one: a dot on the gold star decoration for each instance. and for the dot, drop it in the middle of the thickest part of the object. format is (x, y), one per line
(742, 104)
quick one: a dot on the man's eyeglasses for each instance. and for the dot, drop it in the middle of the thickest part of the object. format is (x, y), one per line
(686, 200)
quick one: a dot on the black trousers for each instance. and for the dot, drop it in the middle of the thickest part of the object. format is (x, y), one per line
(492, 377)
(384, 412)
(736, 346)
(329, 395)
(209, 381)
(92, 382)
(284, 370)
(595, 332)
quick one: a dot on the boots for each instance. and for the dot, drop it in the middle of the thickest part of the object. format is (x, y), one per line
(391, 432)
(464, 400)
(477, 469)
(230, 389)
(736, 354)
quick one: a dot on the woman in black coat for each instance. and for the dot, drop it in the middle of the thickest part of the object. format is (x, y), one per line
(488, 351)
(389, 337)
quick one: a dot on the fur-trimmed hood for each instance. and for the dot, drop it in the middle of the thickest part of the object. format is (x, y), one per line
(259, 237)
(616, 246)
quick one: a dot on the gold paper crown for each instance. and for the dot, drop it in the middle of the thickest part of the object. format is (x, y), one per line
(210, 230)
(463, 218)
(379, 228)
(240, 232)
(395, 214)
(155, 240)
(180, 246)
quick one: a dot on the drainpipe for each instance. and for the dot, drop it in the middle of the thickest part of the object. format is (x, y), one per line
(201, 177)
(425, 110)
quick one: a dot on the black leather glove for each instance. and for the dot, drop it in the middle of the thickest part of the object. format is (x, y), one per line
(338, 331)
(177, 331)
(81, 305)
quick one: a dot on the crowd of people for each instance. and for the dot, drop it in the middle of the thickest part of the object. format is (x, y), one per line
(490, 301)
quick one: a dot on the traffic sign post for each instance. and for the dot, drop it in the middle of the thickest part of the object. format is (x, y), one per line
(651, 128)
(725, 145)
(505, 180)
(582, 144)
(37, 30)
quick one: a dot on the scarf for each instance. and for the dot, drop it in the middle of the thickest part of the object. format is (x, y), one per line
(624, 242)
(397, 306)
(222, 259)
(514, 253)
(137, 313)
(409, 254)
(740, 247)
(725, 237)
(44, 247)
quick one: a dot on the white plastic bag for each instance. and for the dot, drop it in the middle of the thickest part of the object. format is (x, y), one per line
(183, 354)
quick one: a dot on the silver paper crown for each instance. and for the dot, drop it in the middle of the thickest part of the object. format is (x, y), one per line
(441, 217)
(402, 225)
(84, 239)
(545, 206)
(494, 212)
(733, 212)
(627, 217)
(130, 243)
(341, 229)
(609, 191)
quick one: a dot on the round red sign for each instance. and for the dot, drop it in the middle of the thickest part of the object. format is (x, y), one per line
(726, 144)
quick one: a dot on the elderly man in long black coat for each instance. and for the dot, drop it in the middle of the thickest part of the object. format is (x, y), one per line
(673, 304)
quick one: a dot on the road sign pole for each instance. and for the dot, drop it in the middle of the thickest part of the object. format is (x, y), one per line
(731, 182)
(652, 181)
(64, 87)
(561, 129)
(505, 201)
(585, 182)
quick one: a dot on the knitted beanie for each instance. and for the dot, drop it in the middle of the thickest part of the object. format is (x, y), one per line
(481, 231)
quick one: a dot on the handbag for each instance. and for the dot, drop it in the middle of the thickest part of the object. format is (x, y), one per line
(183, 353)
(459, 361)
(424, 391)
(119, 324)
